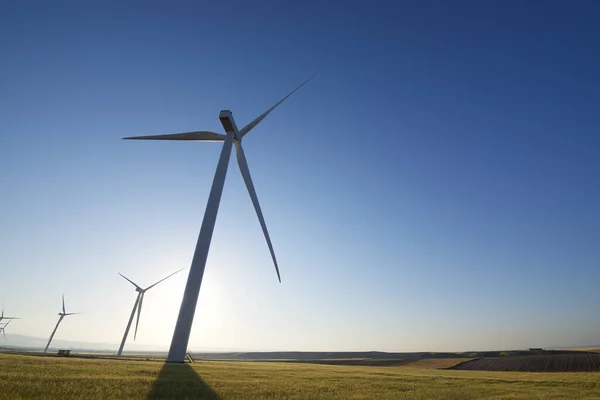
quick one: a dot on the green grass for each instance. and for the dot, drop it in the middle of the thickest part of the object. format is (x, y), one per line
(73, 378)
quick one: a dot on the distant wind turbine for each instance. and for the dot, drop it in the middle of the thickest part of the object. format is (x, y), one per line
(3, 328)
(3, 317)
(233, 136)
(138, 305)
(62, 314)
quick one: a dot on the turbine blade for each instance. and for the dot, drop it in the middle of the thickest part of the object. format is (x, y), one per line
(137, 322)
(130, 281)
(252, 124)
(150, 287)
(63, 297)
(72, 313)
(243, 164)
(199, 135)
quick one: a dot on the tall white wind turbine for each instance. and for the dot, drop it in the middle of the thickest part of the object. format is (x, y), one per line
(137, 306)
(233, 136)
(61, 315)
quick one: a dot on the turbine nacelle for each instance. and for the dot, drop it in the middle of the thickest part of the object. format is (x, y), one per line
(226, 118)
(8, 318)
(64, 312)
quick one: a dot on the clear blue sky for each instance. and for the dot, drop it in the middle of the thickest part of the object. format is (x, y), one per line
(435, 187)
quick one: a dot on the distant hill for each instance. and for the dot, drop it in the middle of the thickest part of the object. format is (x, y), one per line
(32, 343)
(318, 355)
(16, 341)
(37, 343)
(309, 356)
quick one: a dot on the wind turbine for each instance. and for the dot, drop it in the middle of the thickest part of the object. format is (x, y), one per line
(3, 317)
(233, 136)
(3, 328)
(138, 305)
(62, 314)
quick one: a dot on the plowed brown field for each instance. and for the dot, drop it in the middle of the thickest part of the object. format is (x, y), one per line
(436, 363)
(548, 363)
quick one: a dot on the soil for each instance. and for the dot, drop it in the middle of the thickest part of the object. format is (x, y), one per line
(535, 363)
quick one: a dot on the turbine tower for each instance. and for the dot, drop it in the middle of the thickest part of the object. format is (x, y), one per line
(60, 318)
(137, 305)
(233, 136)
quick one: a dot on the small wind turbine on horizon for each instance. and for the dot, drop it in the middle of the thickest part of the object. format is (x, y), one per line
(233, 136)
(3, 328)
(62, 314)
(3, 317)
(137, 305)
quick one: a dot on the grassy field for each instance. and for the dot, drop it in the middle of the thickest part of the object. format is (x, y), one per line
(72, 378)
